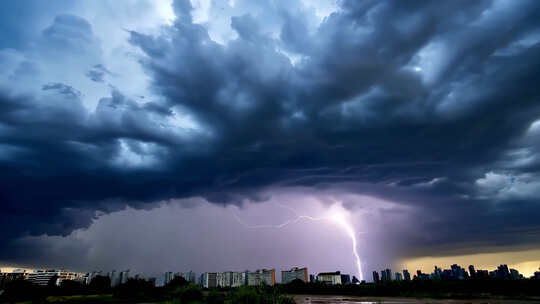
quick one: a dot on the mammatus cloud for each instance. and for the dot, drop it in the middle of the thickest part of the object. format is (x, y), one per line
(432, 109)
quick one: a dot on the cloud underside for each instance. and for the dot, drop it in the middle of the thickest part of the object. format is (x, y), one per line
(431, 106)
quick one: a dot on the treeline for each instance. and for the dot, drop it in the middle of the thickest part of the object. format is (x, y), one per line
(178, 291)
(465, 289)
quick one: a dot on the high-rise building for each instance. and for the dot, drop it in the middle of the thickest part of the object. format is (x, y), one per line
(503, 272)
(43, 277)
(115, 278)
(167, 277)
(421, 275)
(376, 278)
(224, 279)
(209, 280)
(295, 273)
(190, 276)
(514, 274)
(472, 272)
(406, 275)
(482, 273)
(262, 275)
(536, 275)
(92, 275)
(386, 275)
(239, 279)
(399, 277)
(437, 273)
(124, 276)
(330, 278)
(458, 272)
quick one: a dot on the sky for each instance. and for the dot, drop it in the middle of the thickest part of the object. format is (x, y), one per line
(215, 135)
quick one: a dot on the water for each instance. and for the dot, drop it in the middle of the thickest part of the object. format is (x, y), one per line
(309, 299)
(350, 300)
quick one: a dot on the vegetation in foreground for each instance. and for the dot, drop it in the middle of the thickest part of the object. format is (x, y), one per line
(135, 291)
(526, 289)
(181, 292)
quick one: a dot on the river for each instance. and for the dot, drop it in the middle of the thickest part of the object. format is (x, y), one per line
(309, 299)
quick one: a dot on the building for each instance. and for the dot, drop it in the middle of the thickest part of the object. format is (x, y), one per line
(8, 277)
(190, 276)
(376, 278)
(72, 276)
(209, 280)
(312, 278)
(345, 279)
(239, 279)
(482, 273)
(124, 276)
(399, 277)
(406, 275)
(44, 277)
(459, 273)
(261, 276)
(166, 279)
(422, 276)
(472, 272)
(386, 275)
(437, 273)
(329, 278)
(92, 275)
(502, 272)
(514, 274)
(115, 277)
(296, 273)
(56, 277)
(224, 279)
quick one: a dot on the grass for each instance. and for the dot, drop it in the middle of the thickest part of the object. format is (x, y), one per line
(107, 298)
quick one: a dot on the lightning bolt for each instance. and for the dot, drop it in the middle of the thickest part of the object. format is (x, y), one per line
(336, 218)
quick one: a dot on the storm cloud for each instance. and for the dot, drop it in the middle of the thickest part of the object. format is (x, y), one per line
(431, 106)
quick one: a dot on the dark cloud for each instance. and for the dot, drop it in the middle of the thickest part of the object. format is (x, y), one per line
(63, 89)
(412, 102)
(98, 73)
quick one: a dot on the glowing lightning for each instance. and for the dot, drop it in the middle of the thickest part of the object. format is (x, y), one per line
(336, 216)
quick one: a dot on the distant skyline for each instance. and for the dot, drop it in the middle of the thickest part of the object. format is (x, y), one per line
(137, 133)
(304, 270)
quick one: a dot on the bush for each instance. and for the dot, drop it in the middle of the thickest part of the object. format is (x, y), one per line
(187, 294)
(135, 290)
(22, 290)
(215, 297)
(100, 284)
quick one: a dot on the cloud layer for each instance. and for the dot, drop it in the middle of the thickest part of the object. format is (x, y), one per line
(430, 106)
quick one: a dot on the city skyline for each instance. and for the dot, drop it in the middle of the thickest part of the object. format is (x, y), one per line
(346, 135)
(302, 273)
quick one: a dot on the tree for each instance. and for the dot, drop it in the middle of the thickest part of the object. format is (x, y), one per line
(177, 282)
(100, 284)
